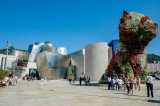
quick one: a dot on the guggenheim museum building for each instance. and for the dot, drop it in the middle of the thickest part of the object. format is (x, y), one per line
(46, 60)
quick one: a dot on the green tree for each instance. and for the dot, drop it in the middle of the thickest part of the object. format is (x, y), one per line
(3, 74)
(11, 48)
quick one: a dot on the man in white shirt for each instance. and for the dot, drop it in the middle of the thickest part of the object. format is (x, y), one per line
(120, 83)
(149, 82)
(16, 79)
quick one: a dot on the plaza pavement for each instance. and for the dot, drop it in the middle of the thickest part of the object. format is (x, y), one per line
(61, 93)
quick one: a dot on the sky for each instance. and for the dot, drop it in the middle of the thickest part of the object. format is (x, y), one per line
(69, 23)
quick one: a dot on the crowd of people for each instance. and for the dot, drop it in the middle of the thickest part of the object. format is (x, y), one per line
(9, 81)
(85, 79)
(129, 83)
(71, 78)
(44, 81)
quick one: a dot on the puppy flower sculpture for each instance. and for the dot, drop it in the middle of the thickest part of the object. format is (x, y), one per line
(130, 57)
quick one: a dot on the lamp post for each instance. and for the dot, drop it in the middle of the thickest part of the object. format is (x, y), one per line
(6, 55)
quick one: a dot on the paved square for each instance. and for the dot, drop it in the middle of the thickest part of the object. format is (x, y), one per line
(61, 93)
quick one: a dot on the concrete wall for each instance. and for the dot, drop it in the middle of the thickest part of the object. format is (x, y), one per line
(96, 60)
(78, 61)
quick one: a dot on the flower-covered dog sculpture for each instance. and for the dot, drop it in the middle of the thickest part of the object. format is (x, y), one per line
(135, 33)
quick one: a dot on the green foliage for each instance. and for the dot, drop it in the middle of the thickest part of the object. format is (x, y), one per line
(143, 73)
(11, 48)
(22, 50)
(2, 51)
(3, 74)
(152, 57)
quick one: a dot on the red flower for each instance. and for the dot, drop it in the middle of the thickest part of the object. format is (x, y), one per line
(144, 19)
(152, 37)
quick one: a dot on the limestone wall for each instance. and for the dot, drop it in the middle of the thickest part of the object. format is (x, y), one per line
(96, 60)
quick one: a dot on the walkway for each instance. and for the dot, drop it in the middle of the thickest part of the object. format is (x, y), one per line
(61, 93)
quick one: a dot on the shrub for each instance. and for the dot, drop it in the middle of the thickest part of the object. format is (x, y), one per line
(3, 74)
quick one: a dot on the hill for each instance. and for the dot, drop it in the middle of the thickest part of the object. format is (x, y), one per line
(3, 51)
(152, 57)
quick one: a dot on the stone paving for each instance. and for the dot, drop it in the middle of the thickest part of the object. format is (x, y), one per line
(61, 93)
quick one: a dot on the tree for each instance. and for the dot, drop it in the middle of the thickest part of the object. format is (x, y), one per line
(12, 48)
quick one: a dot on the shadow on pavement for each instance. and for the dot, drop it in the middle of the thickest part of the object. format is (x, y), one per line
(131, 95)
(154, 101)
(91, 84)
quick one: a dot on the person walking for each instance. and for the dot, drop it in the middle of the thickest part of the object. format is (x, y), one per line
(42, 81)
(28, 78)
(116, 83)
(112, 82)
(10, 81)
(73, 79)
(70, 79)
(120, 83)
(149, 83)
(132, 83)
(138, 82)
(87, 80)
(109, 82)
(135, 83)
(16, 78)
(80, 80)
(127, 82)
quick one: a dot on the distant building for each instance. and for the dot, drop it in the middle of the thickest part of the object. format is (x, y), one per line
(113, 44)
(153, 67)
(45, 60)
(10, 62)
(16, 62)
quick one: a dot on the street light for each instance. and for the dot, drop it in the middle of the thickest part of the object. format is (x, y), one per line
(6, 55)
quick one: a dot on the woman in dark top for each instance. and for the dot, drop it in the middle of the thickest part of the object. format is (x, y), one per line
(131, 84)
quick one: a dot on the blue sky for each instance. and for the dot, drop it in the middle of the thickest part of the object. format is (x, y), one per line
(69, 23)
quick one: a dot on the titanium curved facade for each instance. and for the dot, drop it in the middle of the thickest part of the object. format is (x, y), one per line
(96, 60)
(49, 47)
(56, 63)
(34, 50)
(49, 64)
